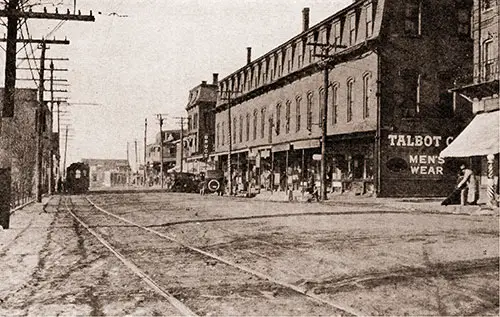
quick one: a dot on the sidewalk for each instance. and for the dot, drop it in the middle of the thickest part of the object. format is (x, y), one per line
(22, 244)
(431, 205)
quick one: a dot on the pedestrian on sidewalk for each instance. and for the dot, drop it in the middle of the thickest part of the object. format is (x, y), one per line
(468, 185)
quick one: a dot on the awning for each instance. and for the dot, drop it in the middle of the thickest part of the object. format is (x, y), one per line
(306, 144)
(481, 137)
(281, 147)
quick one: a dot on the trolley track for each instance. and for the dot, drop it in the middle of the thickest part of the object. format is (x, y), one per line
(229, 283)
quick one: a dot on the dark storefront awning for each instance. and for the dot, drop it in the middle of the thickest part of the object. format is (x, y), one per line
(481, 137)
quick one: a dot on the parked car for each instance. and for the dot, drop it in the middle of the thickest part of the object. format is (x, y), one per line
(213, 182)
(184, 183)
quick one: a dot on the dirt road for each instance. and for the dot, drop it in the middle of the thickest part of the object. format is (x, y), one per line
(172, 254)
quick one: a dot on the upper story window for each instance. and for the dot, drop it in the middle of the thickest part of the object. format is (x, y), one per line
(366, 96)
(271, 125)
(291, 57)
(310, 100)
(349, 99)
(413, 17)
(369, 20)
(223, 134)
(241, 130)
(410, 95)
(337, 34)
(486, 4)
(234, 129)
(335, 98)
(262, 122)
(352, 29)
(248, 127)
(278, 118)
(218, 135)
(297, 113)
(255, 115)
(190, 122)
(195, 121)
(287, 116)
(489, 61)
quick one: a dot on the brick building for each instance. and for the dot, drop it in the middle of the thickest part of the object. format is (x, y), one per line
(199, 137)
(481, 138)
(389, 113)
(22, 143)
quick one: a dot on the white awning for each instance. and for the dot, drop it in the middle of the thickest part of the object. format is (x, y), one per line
(481, 137)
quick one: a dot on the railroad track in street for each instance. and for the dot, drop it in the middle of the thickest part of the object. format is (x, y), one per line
(158, 259)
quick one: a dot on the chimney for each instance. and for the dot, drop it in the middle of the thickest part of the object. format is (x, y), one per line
(203, 82)
(249, 55)
(305, 19)
(215, 79)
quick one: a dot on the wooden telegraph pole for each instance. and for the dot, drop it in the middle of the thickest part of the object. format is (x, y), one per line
(160, 118)
(326, 59)
(13, 12)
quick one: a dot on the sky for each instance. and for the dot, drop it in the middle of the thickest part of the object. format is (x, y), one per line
(141, 57)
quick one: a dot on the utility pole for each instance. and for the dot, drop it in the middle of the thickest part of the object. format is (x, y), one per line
(230, 144)
(325, 60)
(13, 12)
(182, 144)
(65, 151)
(40, 114)
(145, 145)
(160, 118)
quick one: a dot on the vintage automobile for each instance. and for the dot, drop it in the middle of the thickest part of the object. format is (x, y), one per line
(184, 183)
(213, 182)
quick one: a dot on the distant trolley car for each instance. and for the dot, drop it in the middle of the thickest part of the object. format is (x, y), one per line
(77, 178)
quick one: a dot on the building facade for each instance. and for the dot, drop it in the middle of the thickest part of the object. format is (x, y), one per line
(108, 172)
(199, 137)
(478, 144)
(388, 115)
(153, 154)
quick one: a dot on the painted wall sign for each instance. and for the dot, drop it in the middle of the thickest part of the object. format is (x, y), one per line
(416, 154)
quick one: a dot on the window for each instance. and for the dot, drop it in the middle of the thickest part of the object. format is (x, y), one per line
(223, 134)
(334, 103)
(463, 17)
(234, 129)
(337, 34)
(297, 113)
(271, 126)
(352, 29)
(248, 127)
(413, 17)
(287, 116)
(241, 129)
(486, 4)
(369, 20)
(262, 122)
(218, 135)
(310, 100)
(278, 118)
(255, 114)
(350, 84)
(195, 121)
(366, 94)
(190, 122)
(410, 94)
(488, 61)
